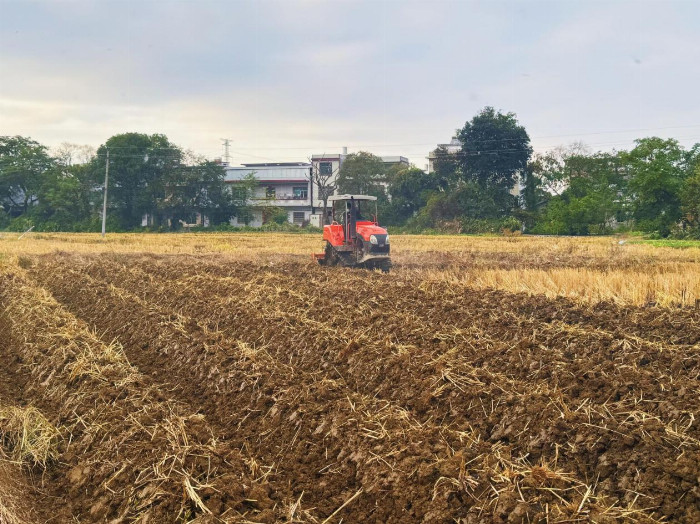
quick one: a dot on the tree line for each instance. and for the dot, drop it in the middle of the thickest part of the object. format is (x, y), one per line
(150, 179)
(496, 182)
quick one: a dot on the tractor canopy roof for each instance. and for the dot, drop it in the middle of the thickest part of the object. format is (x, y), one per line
(353, 197)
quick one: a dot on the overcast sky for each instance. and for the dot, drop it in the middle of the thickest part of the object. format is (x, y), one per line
(287, 79)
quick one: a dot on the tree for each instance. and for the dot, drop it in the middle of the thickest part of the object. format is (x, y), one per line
(197, 186)
(410, 188)
(470, 200)
(495, 150)
(553, 169)
(242, 193)
(690, 202)
(23, 163)
(326, 183)
(362, 173)
(445, 167)
(275, 215)
(68, 198)
(657, 169)
(534, 195)
(69, 154)
(138, 167)
(593, 198)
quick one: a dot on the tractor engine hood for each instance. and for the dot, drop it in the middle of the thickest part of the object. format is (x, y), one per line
(366, 229)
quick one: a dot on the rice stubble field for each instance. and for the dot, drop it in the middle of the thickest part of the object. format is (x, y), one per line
(225, 378)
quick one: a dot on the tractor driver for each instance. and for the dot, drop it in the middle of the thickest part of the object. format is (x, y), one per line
(353, 210)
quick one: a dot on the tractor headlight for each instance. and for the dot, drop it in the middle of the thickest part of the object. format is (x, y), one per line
(386, 240)
(373, 240)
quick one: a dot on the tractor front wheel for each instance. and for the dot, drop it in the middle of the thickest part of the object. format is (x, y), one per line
(385, 265)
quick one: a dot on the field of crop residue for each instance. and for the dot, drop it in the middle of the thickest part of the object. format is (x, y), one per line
(225, 378)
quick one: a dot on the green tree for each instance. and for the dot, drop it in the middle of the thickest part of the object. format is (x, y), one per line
(410, 188)
(690, 202)
(242, 193)
(275, 215)
(593, 198)
(657, 169)
(446, 168)
(363, 174)
(534, 193)
(67, 198)
(138, 174)
(197, 187)
(554, 170)
(495, 151)
(23, 163)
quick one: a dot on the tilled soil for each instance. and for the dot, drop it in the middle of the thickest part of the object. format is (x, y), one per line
(336, 394)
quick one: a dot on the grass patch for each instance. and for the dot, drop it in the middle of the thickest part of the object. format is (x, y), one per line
(667, 242)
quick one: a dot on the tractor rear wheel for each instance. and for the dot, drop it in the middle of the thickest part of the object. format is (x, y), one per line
(331, 257)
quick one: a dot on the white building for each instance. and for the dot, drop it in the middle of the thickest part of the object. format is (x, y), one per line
(284, 185)
(287, 185)
(395, 161)
(455, 146)
(329, 165)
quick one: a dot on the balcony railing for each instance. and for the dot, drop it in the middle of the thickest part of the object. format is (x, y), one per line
(284, 197)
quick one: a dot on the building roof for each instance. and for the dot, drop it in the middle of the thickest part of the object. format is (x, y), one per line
(295, 181)
(278, 164)
(269, 172)
(348, 197)
(394, 160)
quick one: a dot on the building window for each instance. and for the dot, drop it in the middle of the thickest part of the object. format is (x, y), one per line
(300, 192)
(325, 168)
(270, 192)
(298, 218)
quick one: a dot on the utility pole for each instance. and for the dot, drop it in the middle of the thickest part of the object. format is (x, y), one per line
(227, 157)
(104, 205)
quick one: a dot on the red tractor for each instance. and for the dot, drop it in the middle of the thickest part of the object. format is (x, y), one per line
(353, 237)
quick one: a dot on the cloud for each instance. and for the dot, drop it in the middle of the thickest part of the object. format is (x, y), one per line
(286, 79)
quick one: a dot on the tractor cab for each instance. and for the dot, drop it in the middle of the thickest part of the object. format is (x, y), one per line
(353, 236)
(350, 213)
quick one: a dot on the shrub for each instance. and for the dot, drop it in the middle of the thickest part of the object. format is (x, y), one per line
(20, 224)
(490, 225)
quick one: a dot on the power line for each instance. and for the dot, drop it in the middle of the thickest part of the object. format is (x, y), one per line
(486, 140)
(178, 153)
(426, 144)
(481, 151)
(175, 148)
(255, 156)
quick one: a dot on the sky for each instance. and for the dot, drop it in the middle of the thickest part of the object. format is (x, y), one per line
(287, 79)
